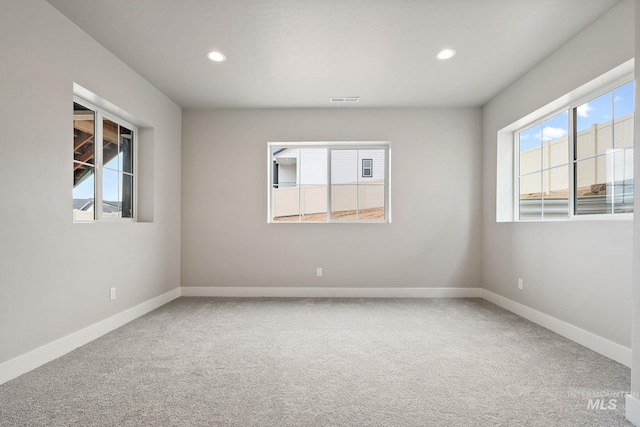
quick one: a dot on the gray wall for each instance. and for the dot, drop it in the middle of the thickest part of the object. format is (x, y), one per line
(433, 241)
(55, 275)
(579, 271)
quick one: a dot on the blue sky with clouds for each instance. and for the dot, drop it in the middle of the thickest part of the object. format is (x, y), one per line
(616, 103)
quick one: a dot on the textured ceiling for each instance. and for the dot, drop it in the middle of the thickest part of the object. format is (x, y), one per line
(299, 53)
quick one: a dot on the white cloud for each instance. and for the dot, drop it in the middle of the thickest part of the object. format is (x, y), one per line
(584, 110)
(618, 98)
(550, 133)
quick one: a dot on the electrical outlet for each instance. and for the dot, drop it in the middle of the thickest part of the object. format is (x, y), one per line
(112, 294)
(520, 284)
(319, 271)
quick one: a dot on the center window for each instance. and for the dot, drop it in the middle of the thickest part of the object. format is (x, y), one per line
(329, 182)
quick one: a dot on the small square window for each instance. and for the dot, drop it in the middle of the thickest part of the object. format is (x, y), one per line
(367, 168)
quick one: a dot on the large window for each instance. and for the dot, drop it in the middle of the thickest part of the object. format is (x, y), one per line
(103, 164)
(579, 160)
(329, 182)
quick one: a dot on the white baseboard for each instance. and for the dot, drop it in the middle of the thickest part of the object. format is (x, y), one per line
(610, 349)
(22, 364)
(632, 409)
(315, 292)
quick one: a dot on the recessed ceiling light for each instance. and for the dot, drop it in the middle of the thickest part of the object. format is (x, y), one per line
(446, 54)
(216, 56)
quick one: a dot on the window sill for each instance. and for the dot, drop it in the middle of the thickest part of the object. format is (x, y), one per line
(582, 218)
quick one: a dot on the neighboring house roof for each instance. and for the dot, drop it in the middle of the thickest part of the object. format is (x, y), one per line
(87, 204)
(82, 204)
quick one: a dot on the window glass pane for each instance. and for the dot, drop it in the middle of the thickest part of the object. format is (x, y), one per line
(83, 134)
(313, 203)
(83, 192)
(623, 100)
(623, 108)
(299, 184)
(555, 137)
(371, 190)
(109, 144)
(111, 195)
(313, 166)
(125, 151)
(623, 181)
(371, 201)
(285, 167)
(127, 195)
(344, 189)
(593, 185)
(372, 162)
(344, 201)
(344, 166)
(313, 184)
(531, 149)
(285, 194)
(555, 184)
(285, 204)
(531, 196)
(594, 133)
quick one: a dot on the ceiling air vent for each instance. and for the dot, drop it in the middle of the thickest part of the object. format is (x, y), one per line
(345, 99)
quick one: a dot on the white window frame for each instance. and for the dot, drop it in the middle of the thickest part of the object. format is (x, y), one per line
(101, 114)
(569, 106)
(334, 145)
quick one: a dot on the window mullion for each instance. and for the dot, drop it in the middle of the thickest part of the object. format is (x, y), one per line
(387, 183)
(329, 186)
(613, 155)
(542, 172)
(572, 161)
(612, 177)
(299, 184)
(97, 205)
(134, 175)
(516, 176)
(357, 186)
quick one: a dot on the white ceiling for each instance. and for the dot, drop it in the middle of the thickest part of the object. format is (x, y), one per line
(298, 53)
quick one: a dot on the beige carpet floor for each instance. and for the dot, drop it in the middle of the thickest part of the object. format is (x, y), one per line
(323, 362)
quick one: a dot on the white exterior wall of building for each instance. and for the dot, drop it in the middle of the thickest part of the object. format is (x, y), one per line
(311, 166)
(287, 175)
(346, 166)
